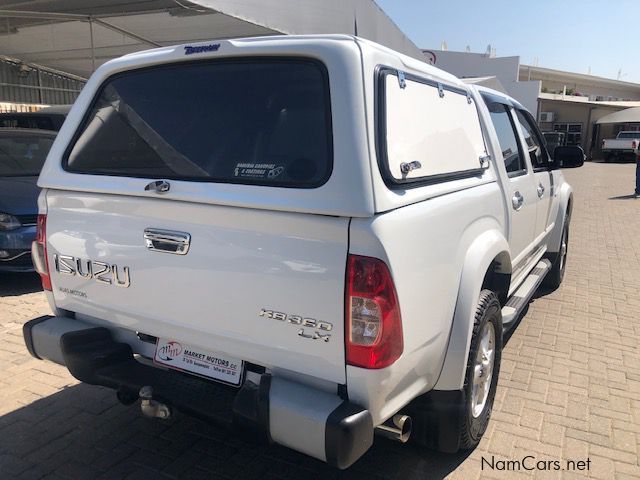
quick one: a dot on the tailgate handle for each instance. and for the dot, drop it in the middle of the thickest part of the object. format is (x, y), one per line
(167, 241)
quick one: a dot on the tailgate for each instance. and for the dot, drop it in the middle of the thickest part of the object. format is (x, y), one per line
(244, 268)
(618, 144)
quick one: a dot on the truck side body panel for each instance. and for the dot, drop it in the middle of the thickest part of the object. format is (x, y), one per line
(416, 242)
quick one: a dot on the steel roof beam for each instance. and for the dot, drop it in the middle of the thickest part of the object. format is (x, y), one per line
(77, 18)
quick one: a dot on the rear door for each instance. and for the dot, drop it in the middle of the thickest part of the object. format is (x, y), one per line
(260, 285)
(522, 194)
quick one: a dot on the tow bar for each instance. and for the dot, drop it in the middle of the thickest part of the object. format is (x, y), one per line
(152, 408)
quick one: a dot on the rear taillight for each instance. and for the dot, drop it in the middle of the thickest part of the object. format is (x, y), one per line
(39, 252)
(634, 144)
(373, 323)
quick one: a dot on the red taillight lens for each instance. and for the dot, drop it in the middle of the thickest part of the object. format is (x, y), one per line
(39, 252)
(634, 144)
(373, 323)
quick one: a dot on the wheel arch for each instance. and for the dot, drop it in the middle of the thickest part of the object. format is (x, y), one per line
(498, 276)
(487, 265)
(565, 208)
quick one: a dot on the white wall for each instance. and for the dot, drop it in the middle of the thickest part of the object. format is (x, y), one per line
(298, 17)
(462, 64)
(505, 69)
(526, 93)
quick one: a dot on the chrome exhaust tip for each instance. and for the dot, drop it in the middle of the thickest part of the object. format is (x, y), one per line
(397, 428)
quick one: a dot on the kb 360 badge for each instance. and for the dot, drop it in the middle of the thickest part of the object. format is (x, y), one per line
(309, 327)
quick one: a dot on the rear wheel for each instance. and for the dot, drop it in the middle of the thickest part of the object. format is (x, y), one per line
(450, 421)
(483, 367)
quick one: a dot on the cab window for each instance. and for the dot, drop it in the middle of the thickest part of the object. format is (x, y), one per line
(534, 144)
(501, 119)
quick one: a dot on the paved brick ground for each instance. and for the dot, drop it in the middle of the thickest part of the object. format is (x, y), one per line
(569, 388)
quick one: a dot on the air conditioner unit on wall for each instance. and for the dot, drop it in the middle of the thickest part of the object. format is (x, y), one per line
(546, 117)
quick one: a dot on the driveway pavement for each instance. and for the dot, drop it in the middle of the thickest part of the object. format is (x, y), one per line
(569, 387)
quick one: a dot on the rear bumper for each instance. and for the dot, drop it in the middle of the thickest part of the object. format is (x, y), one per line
(311, 421)
(620, 151)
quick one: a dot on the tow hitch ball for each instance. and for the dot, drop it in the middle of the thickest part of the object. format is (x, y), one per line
(152, 408)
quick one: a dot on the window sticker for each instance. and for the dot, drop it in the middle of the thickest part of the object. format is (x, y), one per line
(257, 170)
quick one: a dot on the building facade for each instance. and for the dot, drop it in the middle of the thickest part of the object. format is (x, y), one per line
(567, 102)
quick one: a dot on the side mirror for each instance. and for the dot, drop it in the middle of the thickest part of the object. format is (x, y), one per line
(568, 157)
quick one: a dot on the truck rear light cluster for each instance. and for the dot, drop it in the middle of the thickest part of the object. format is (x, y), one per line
(634, 144)
(373, 323)
(39, 252)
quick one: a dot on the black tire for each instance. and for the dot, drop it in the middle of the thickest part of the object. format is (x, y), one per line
(554, 278)
(444, 420)
(472, 427)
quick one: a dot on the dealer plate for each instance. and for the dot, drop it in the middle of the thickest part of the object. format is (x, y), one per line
(198, 361)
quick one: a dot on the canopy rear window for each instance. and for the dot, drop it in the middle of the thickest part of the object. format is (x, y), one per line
(23, 153)
(260, 121)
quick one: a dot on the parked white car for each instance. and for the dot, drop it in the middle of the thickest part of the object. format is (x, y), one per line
(625, 145)
(316, 238)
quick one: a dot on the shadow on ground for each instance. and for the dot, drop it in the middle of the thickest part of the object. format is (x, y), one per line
(19, 283)
(614, 161)
(623, 197)
(512, 327)
(83, 432)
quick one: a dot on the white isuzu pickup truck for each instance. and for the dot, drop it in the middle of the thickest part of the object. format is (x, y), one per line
(314, 238)
(626, 144)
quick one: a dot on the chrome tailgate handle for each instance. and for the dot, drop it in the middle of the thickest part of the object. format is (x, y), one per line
(167, 241)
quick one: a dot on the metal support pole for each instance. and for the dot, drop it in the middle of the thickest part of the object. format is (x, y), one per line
(93, 51)
(40, 92)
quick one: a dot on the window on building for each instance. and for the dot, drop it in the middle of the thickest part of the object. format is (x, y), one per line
(572, 130)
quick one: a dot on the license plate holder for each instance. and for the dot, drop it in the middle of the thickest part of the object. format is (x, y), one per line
(198, 361)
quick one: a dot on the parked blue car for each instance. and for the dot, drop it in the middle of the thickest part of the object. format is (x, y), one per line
(22, 155)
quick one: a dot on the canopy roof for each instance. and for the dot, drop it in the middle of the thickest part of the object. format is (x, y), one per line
(628, 115)
(76, 36)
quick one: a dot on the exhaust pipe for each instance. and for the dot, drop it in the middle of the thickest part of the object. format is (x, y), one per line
(151, 407)
(397, 428)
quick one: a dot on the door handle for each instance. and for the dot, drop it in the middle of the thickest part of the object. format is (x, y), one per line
(540, 190)
(158, 186)
(167, 241)
(517, 201)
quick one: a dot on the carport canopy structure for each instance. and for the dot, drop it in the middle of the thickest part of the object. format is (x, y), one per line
(628, 115)
(77, 36)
